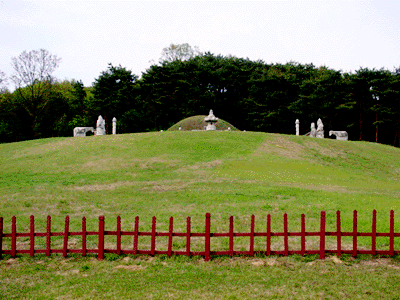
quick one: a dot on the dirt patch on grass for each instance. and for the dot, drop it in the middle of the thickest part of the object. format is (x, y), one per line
(281, 146)
(388, 262)
(130, 267)
(324, 151)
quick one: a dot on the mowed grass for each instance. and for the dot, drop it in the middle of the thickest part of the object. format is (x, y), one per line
(183, 174)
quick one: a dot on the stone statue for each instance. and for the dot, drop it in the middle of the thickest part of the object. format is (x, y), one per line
(313, 132)
(100, 126)
(81, 131)
(297, 127)
(340, 135)
(210, 120)
(320, 129)
(114, 129)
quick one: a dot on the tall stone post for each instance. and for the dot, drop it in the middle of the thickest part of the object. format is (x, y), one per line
(297, 127)
(114, 126)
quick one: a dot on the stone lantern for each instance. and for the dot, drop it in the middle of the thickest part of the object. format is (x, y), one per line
(211, 120)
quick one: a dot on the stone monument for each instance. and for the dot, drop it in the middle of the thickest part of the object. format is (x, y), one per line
(340, 135)
(297, 127)
(211, 120)
(100, 126)
(313, 132)
(81, 131)
(114, 129)
(320, 129)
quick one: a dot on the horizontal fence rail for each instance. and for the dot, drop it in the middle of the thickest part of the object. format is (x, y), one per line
(12, 250)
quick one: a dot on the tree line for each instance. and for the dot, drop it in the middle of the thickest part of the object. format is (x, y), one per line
(251, 95)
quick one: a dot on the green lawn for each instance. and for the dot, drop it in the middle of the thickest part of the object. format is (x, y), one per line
(183, 174)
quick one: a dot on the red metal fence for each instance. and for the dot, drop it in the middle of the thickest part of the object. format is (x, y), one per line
(207, 235)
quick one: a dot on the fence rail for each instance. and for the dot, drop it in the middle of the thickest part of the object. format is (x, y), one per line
(207, 235)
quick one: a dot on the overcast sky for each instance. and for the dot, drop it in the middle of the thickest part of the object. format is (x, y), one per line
(87, 35)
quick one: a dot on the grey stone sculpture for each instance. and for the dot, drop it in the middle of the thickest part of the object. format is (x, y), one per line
(297, 127)
(114, 128)
(340, 135)
(100, 126)
(211, 120)
(320, 130)
(81, 131)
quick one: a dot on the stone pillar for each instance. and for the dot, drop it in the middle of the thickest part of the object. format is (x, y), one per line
(114, 127)
(297, 127)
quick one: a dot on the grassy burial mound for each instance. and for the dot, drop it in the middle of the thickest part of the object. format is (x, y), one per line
(184, 174)
(197, 123)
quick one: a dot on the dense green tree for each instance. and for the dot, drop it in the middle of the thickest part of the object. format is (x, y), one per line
(115, 94)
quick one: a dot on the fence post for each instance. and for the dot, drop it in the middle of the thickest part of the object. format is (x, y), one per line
(100, 255)
(153, 236)
(322, 237)
(303, 234)
(373, 234)
(66, 232)
(268, 235)
(13, 236)
(1, 237)
(118, 235)
(136, 236)
(170, 234)
(83, 236)
(252, 236)
(188, 233)
(231, 236)
(338, 234)
(32, 236)
(207, 256)
(285, 234)
(355, 233)
(391, 242)
(48, 236)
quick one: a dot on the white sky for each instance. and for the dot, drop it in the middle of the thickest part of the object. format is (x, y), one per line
(87, 35)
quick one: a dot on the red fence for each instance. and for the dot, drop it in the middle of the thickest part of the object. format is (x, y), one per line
(207, 234)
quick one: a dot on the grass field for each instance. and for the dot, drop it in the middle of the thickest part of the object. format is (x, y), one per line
(184, 174)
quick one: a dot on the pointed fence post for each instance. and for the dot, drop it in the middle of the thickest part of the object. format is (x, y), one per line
(48, 236)
(207, 255)
(32, 236)
(66, 233)
(231, 236)
(153, 236)
(118, 235)
(84, 250)
(170, 234)
(303, 234)
(100, 255)
(355, 233)
(268, 250)
(285, 235)
(391, 236)
(13, 237)
(252, 236)
(322, 237)
(338, 234)
(188, 234)
(136, 236)
(1, 237)
(373, 233)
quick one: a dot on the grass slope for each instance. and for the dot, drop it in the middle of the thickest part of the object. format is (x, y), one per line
(184, 174)
(198, 123)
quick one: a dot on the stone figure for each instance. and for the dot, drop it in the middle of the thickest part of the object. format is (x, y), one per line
(81, 131)
(313, 132)
(340, 135)
(211, 120)
(100, 126)
(114, 128)
(320, 130)
(297, 127)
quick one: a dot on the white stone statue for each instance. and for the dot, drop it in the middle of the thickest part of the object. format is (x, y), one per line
(114, 129)
(100, 126)
(340, 135)
(320, 129)
(81, 131)
(313, 132)
(211, 120)
(297, 127)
